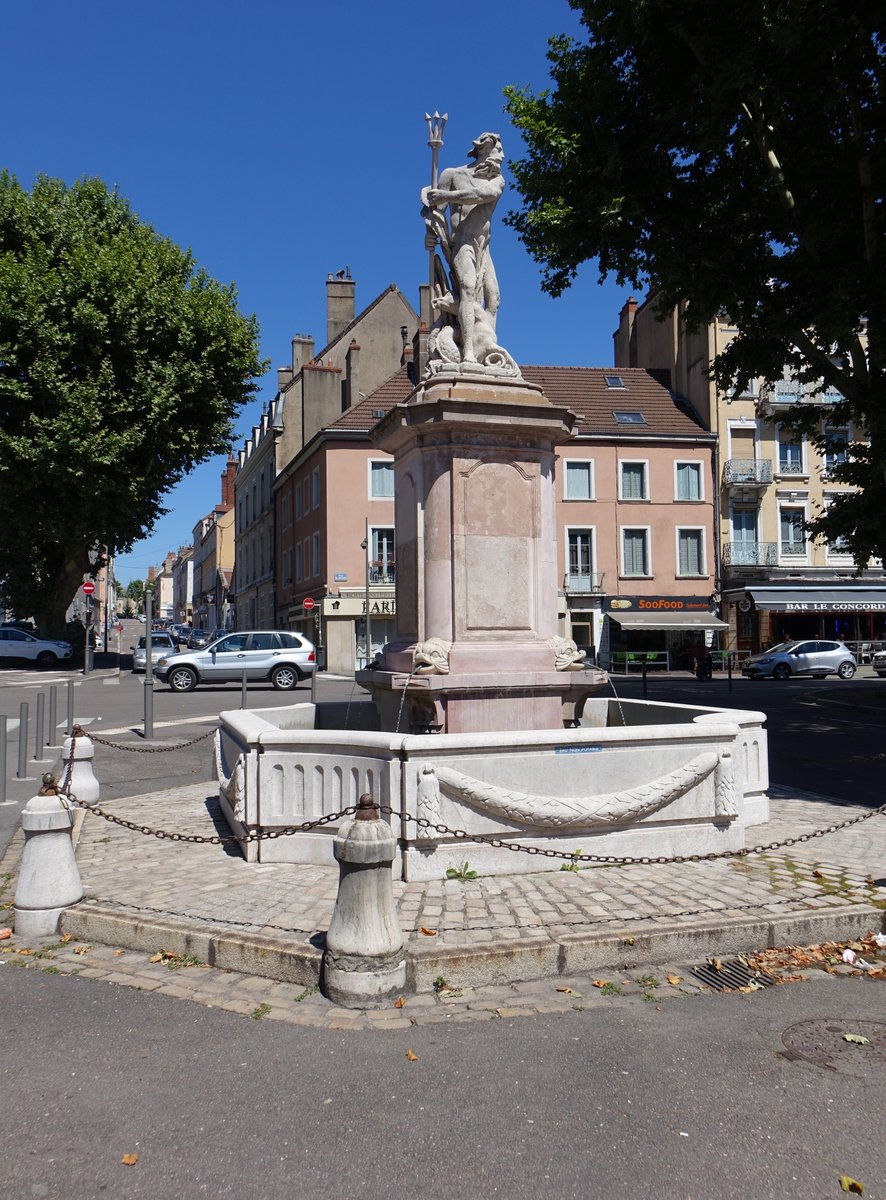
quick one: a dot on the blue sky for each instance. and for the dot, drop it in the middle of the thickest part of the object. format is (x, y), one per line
(284, 140)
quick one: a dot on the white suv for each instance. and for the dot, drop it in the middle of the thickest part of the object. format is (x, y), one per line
(17, 643)
(878, 662)
(283, 657)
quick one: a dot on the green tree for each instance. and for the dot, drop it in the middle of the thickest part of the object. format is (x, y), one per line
(135, 591)
(732, 157)
(122, 366)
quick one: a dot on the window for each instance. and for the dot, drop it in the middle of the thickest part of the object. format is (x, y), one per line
(614, 381)
(579, 481)
(635, 552)
(287, 566)
(790, 454)
(835, 448)
(633, 481)
(580, 560)
(629, 418)
(284, 512)
(299, 573)
(306, 495)
(315, 487)
(263, 641)
(315, 554)
(382, 563)
(688, 481)
(381, 480)
(793, 535)
(298, 509)
(690, 552)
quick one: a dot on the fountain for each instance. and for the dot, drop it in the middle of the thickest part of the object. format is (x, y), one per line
(508, 735)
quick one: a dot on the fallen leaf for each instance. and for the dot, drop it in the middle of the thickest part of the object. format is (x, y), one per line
(568, 991)
(428, 932)
(600, 982)
(818, 874)
(129, 1160)
(856, 1038)
(399, 1002)
(412, 1057)
(716, 963)
(65, 938)
(4, 934)
(26, 951)
(848, 1184)
(82, 949)
(117, 953)
(158, 957)
(673, 980)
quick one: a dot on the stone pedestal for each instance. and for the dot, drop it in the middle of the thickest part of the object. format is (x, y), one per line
(476, 558)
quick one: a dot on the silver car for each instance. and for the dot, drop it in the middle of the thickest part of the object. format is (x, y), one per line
(161, 644)
(818, 658)
(878, 662)
(283, 657)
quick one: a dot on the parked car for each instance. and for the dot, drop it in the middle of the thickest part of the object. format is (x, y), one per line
(18, 644)
(198, 638)
(878, 662)
(162, 645)
(284, 658)
(816, 658)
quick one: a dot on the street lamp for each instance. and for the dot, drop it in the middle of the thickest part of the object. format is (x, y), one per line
(364, 545)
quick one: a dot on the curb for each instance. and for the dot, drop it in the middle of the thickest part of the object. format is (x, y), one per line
(479, 964)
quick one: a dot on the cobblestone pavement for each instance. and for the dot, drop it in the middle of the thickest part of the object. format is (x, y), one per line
(211, 886)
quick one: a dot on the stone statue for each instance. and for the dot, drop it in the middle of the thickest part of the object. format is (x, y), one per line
(465, 304)
(567, 656)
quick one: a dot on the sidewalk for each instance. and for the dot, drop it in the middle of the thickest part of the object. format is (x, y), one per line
(204, 902)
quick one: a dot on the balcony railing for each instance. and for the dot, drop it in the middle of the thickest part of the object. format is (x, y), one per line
(750, 554)
(749, 472)
(584, 583)
(382, 573)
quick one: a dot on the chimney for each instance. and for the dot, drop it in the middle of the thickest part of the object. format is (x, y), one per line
(302, 351)
(340, 308)
(625, 338)
(227, 482)
(284, 375)
(352, 370)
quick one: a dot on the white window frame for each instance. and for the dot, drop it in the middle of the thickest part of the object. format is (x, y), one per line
(622, 530)
(699, 466)
(703, 572)
(633, 462)
(790, 440)
(371, 466)
(315, 488)
(793, 559)
(579, 530)
(832, 554)
(827, 428)
(298, 501)
(587, 463)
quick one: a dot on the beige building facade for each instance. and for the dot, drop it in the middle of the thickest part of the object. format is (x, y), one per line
(775, 583)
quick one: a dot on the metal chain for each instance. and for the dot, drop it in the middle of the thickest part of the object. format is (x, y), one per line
(614, 860)
(149, 749)
(221, 839)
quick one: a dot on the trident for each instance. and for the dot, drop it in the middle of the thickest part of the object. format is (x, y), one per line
(435, 141)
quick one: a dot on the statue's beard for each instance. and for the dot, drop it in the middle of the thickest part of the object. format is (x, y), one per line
(487, 169)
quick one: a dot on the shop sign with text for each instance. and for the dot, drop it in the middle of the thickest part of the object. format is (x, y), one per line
(657, 604)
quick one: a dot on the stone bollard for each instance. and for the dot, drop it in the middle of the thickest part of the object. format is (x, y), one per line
(364, 964)
(49, 880)
(80, 781)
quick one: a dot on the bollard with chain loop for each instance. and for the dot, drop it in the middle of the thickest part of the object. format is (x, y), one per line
(79, 777)
(49, 880)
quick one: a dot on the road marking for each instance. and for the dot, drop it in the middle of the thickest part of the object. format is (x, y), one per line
(136, 727)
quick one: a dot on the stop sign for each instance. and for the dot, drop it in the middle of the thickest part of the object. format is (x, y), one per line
(88, 588)
(308, 603)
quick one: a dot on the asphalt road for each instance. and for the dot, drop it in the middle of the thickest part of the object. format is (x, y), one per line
(687, 1099)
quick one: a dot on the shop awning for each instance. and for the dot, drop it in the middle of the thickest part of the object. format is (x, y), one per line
(832, 600)
(667, 620)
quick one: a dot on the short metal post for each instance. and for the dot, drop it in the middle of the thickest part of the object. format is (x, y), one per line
(645, 668)
(3, 799)
(69, 724)
(39, 738)
(243, 689)
(53, 714)
(22, 772)
(729, 672)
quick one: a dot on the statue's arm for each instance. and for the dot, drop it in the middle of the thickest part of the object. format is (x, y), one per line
(480, 191)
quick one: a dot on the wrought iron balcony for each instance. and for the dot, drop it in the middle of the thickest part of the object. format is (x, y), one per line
(747, 472)
(584, 583)
(750, 554)
(382, 573)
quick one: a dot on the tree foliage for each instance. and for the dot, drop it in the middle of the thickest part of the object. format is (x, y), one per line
(731, 157)
(122, 366)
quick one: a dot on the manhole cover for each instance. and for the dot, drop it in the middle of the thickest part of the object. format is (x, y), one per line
(822, 1042)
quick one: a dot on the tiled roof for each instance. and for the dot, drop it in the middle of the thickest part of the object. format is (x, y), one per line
(582, 389)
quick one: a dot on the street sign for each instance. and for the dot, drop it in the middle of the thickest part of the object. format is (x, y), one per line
(88, 588)
(308, 603)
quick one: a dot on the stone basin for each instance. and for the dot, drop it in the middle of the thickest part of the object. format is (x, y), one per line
(636, 778)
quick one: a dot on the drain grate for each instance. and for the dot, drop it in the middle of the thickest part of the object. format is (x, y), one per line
(729, 974)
